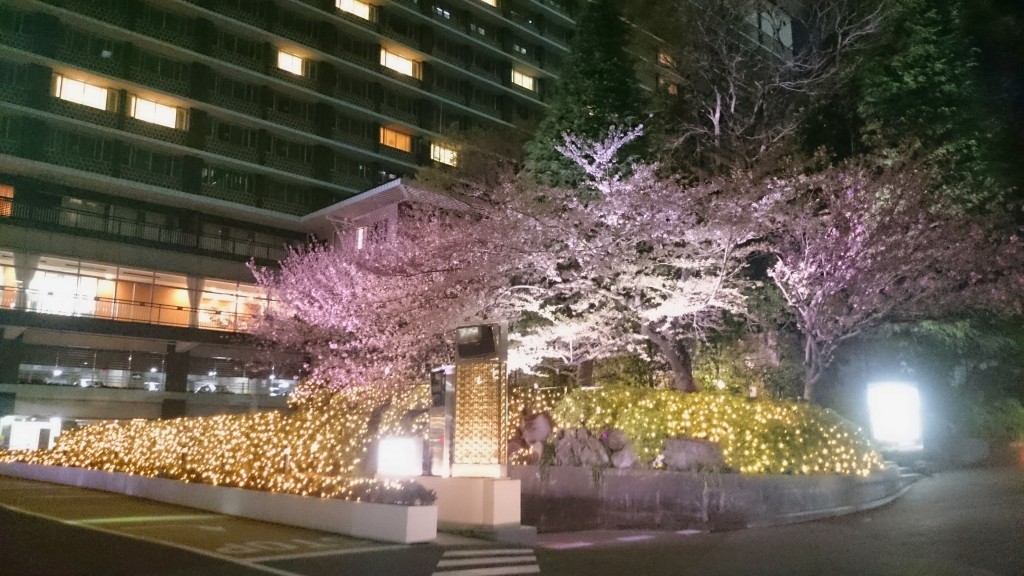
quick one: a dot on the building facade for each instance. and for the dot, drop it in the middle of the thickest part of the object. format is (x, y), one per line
(150, 149)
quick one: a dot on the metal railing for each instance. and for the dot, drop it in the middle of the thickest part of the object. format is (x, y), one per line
(122, 310)
(78, 220)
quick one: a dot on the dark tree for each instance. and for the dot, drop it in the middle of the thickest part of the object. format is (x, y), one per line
(597, 89)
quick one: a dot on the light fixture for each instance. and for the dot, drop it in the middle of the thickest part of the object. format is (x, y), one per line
(400, 456)
(895, 412)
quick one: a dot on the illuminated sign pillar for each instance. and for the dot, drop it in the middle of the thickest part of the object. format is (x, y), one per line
(481, 402)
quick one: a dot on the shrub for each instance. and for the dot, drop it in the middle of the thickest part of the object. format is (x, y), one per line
(756, 436)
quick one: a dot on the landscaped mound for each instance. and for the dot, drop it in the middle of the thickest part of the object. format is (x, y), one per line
(756, 436)
(317, 449)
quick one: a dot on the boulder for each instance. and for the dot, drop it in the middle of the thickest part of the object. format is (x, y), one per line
(691, 454)
(579, 447)
(614, 439)
(624, 458)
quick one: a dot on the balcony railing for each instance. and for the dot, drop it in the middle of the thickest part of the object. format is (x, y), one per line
(122, 310)
(176, 239)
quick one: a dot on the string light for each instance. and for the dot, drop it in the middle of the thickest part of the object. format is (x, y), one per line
(316, 449)
(759, 437)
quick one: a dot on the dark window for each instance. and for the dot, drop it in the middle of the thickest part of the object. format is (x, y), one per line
(236, 89)
(83, 146)
(226, 179)
(153, 161)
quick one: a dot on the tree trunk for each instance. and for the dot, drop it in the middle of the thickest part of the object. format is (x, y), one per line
(585, 374)
(812, 367)
(678, 359)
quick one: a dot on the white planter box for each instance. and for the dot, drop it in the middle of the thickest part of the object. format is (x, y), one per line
(385, 522)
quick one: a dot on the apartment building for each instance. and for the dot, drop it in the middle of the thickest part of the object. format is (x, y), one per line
(150, 149)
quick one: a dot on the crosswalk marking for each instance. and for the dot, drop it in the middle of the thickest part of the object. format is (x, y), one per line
(504, 552)
(488, 562)
(497, 571)
(483, 561)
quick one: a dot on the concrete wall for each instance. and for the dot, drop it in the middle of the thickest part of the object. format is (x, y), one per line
(115, 403)
(475, 502)
(563, 498)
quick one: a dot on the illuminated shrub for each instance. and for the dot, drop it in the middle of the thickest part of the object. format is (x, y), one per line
(318, 449)
(756, 437)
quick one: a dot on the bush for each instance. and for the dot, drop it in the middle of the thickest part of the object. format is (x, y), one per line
(756, 436)
(317, 450)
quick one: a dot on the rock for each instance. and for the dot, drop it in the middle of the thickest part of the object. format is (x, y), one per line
(536, 431)
(614, 439)
(624, 458)
(692, 454)
(579, 447)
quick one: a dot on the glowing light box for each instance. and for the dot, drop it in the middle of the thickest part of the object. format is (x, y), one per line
(895, 412)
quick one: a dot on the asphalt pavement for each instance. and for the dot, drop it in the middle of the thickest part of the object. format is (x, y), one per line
(968, 522)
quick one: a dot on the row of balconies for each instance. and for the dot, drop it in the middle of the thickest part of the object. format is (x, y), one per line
(197, 80)
(81, 222)
(324, 37)
(33, 91)
(115, 157)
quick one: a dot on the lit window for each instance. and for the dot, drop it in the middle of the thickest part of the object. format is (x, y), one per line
(666, 59)
(395, 139)
(149, 111)
(478, 29)
(290, 63)
(79, 92)
(6, 200)
(442, 13)
(520, 79)
(399, 64)
(360, 237)
(490, 2)
(354, 7)
(443, 154)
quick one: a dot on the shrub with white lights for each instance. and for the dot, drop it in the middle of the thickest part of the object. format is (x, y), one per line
(756, 437)
(317, 449)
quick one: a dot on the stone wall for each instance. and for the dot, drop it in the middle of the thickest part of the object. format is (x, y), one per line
(566, 498)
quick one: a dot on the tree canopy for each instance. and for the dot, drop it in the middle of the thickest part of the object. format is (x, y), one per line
(597, 88)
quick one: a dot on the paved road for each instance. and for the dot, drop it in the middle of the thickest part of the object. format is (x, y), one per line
(966, 522)
(962, 522)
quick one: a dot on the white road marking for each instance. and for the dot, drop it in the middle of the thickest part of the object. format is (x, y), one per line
(140, 519)
(461, 553)
(488, 562)
(498, 571)
(636, 538)
(485, 561)
(569, 545)
(338, 552)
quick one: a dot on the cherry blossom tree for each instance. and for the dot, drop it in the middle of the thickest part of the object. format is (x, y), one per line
(644, 258)
(862, 245)
(580, 276)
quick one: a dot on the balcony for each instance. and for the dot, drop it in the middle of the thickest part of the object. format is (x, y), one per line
(231, 150)
(155, 131)
(82, 112)
(291, 121)
(236, 104)
(79, 162)
(158, 81)
(171, 181)
(74, 221)
(290, 166)
(238, 197)
(232, 57)
(124, 310)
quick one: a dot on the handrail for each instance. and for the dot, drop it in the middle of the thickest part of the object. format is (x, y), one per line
(123, 310)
